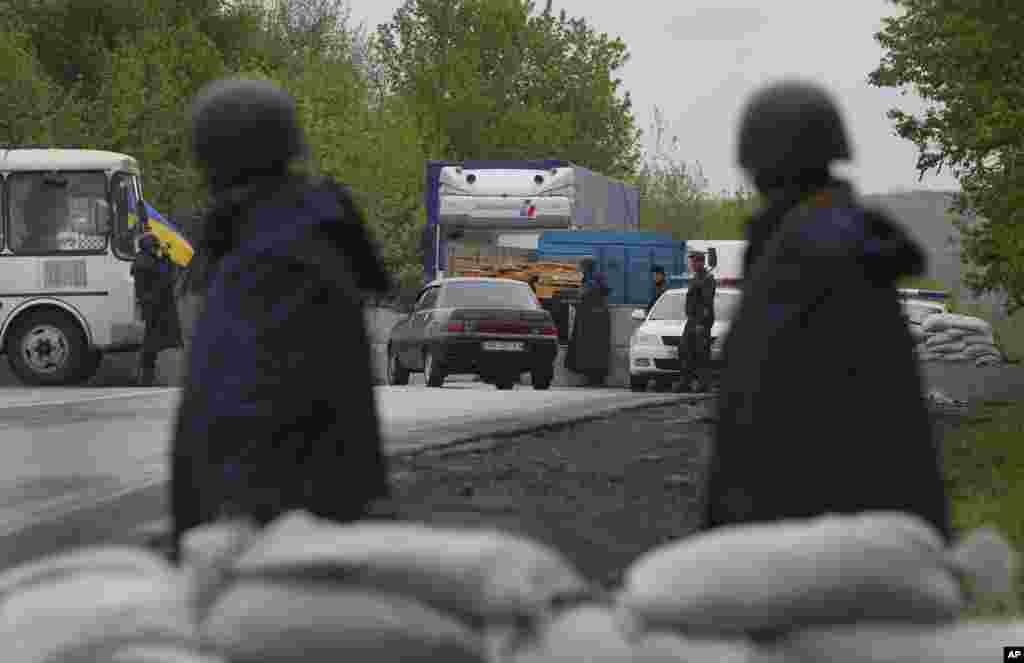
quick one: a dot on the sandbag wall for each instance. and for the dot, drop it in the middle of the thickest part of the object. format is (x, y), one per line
(870, 588)
(956, 338)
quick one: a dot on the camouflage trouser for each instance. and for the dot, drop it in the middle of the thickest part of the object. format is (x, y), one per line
(695, 357)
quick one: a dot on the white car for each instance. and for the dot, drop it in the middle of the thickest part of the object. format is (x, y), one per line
(654, 347)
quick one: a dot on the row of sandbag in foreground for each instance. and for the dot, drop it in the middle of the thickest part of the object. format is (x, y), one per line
(877, 587)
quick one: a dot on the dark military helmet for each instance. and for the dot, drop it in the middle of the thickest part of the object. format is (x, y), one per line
(790, 128)
(243, 127)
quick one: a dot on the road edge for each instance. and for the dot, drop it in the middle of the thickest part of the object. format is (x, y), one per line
(130, 516)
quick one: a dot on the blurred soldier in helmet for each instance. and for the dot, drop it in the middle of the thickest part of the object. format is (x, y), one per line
(278, 411)
(695, 344)
(821, 407)
(155, 278)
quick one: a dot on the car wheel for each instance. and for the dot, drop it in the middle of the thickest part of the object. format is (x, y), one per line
(637, 384)
(506, 383)
(398, 376)
(433, 372)
(542, 377)
(663, 384)
(47, 348)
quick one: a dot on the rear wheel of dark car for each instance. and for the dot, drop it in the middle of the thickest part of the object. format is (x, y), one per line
(433, 371)
(397, 374)
(542, 377)
(663, 384)
(637, 384)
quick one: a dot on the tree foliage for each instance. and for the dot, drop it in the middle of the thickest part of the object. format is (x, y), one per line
(444, 78)
(493, 79)
(675, 198)
(964, 58)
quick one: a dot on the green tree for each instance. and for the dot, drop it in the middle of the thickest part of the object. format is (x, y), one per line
(143, 105)
(675, 198)
(964, 58)
(33, 108)
(491, 79)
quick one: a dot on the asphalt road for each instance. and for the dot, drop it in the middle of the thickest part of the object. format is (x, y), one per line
(79, 466)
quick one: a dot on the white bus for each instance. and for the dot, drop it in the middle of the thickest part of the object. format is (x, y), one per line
(67, 239)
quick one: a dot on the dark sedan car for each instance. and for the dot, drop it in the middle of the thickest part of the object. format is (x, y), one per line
(494, 328)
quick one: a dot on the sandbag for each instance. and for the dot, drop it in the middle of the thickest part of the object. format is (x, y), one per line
(313, 622)
(78, 615)
(929, 356)
(208, 555)
(954, 357)
(163, 654)
(917, 333)
(92, 559)
(827, 570)
(475, 574)
(970, 642)
(140, 653)
(981, 350)
(948, 348)
(594, 633)
(988, 360)
(947, 321)
(982, 339)
(943, 338)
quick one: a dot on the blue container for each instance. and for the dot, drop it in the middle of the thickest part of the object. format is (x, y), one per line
(625, 258)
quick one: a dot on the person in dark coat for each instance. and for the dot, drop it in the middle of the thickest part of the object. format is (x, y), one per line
(155, 280)
(821, 407)
(590, 343)
(660, 285)
(695, 344)
(278, 411)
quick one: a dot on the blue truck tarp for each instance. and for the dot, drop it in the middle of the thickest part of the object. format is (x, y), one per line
(626, 258)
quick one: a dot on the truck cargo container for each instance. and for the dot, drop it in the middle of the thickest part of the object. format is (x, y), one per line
(500, 209)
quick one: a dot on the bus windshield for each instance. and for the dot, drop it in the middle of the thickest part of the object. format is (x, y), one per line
(64, 212)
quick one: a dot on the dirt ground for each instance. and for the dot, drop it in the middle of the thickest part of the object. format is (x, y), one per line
(602, 492)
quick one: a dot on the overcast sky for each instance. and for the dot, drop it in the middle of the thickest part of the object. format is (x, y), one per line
(698, 60)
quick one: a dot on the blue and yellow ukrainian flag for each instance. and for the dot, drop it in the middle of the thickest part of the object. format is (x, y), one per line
(178, 249)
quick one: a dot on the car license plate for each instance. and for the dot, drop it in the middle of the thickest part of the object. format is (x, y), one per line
(503, 346)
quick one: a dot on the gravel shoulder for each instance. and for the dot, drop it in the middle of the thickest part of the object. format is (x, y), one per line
(603, 492)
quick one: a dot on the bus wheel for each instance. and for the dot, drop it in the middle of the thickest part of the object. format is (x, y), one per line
(47, 348)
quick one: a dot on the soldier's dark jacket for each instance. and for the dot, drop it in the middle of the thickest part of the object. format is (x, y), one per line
(155, 281)
(821, 406)
(700, 300)
(278, 411)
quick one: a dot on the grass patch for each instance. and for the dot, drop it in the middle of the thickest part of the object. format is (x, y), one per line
(984, 461)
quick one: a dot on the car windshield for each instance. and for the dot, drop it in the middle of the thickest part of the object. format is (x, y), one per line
(671, 306)
(483, 294)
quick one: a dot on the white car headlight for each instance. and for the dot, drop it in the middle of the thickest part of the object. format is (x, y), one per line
(646, 339)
